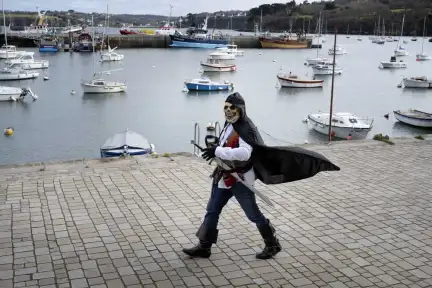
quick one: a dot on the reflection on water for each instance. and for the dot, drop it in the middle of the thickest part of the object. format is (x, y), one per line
(101, 97)
(294, 91)
(404, 129)
(206, 94)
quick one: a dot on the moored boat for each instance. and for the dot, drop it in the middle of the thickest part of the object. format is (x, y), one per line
(127, 143)
(344, 125)
(127, 32)
(27, 61)
(284, 43)
(220, 55)
(205, 84)
(326, 68)
(15, 94)
(184, 41)
(414, 117)
(337, 51)
(393, 64)
(9, 52)
(417, 82)
(216, 65)
(48, 43)
(231, 49)
(293, 81)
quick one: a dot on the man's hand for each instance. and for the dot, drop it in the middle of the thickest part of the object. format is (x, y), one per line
(209, 153)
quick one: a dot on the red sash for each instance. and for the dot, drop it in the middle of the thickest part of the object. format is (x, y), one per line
(233, 141)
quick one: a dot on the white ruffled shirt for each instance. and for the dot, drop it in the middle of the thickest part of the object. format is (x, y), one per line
(242, 153)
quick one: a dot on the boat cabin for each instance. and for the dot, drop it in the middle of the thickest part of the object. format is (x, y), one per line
(232, 47)
(213, 61)
(393, 59)
(8, 48)
(204, 81)
(26, 57)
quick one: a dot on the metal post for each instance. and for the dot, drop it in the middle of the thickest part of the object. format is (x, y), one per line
(332, 87)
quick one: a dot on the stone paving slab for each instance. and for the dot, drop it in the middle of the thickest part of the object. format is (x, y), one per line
(123, 223)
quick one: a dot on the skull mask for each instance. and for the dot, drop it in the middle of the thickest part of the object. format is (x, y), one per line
(232, 113)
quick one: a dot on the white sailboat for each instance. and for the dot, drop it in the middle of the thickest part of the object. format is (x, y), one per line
(27, 61)
(342, 125)
(110, 55)
(98, 84)
(12, 73)
(318, 58)
(423, 56)
(400, 50)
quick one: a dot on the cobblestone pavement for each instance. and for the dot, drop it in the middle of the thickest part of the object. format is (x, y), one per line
(123, 223)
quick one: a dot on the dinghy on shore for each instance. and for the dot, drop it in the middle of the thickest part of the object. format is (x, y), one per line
(127, 143)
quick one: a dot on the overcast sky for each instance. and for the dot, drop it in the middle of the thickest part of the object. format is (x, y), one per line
(181, 7)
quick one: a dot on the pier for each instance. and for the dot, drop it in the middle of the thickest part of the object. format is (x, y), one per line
(123, 223)
(140, 41)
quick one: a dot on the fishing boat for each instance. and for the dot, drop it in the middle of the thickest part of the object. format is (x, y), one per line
(293, 81)
(414, 117)
(15, 94)
(48, 43)
(27, 61)
(167, 29)
(393, 64)
(422, 56)
(100, 85)
(127, 31)
(198, 38)
(417, 82)
(84, 43)
(127, 143)
(216, 65)
(205, 84)
(284, 42)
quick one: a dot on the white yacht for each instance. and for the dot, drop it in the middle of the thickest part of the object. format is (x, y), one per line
(110, 55)
(417, 82)
(337, 51)
(326, 68)
(26, 61)
(422, 56)
(15, 94)
(231, 49)
(9, 51)
(393, 64)
(343, 125)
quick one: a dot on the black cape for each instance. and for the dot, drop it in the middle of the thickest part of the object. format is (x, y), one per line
(277, 164)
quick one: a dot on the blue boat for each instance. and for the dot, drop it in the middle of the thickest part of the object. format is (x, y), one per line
(127, 143)
(48, 43)
(184, 41)
(205, 84)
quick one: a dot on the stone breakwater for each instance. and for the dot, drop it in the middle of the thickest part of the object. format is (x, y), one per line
(122, 223)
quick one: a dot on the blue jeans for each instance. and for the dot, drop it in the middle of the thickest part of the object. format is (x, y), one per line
(219, 198)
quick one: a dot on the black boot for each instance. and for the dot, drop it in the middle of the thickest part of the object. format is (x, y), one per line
(206, 239)
(272, 246)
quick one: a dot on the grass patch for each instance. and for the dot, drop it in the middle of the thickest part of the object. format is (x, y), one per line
(419, 137)
(386, 138)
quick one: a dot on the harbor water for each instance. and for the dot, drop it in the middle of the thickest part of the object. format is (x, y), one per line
(61, 125)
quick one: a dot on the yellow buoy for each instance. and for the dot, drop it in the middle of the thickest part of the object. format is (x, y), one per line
(8, 131)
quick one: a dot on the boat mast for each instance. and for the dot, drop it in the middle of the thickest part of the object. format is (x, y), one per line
(319, 33)
(4, 26)
(109, 48)
(400, 37)
(93, 46)
(424, 28)
(332, 87)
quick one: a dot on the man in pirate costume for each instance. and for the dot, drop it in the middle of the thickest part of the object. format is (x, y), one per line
(241, 145)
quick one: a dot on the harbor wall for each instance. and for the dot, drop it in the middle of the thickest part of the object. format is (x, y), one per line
(141, 41)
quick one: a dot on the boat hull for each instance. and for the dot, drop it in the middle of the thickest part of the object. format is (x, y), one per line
(223, 57)
(94, 89)
(120, 152)
(217, 68)
(187, 42)
(422, 57)
(413, 121)
(401, 53)
(31, 65)
(315, 61)
(317, 71)
(48, 48)
(10, 94)
(201, 87)
(295, 83)
(9, 55)
(412, 83)
(108, 57)
(18, 76)
(339, 132)
(281, 44)
(393, 65)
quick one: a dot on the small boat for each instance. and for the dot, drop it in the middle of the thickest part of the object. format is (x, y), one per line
(338, 51)
(325, 68)
(16, 73)
(231, 49)
(414, 39)
(15, 94)
(359, 39)
(316, 60)
(222, 55)
(26, 61)
(111, 55)
(414, 118)
(216, 65)
(344, 125)
(84, 43)
(205, 84)
(417, 82)
(9, 51)
(127, 143)
(393, 64)
(103, 86)
(401, 51)
(389, 39)
(293, 81)
(422, 56)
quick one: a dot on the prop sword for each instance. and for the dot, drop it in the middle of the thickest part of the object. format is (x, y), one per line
(226, 167)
